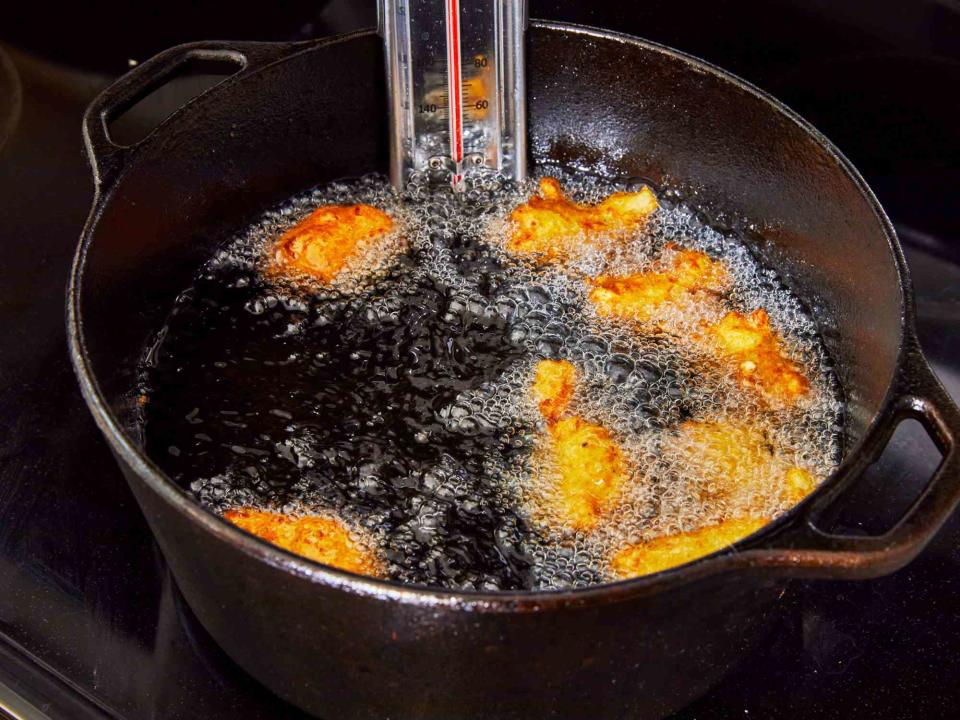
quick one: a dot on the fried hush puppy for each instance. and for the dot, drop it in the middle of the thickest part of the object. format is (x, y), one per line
(671, 550)
(552, 227)
(589, 464)
(637, 297)
(323, 539)
(738, 463)
(325, 241)
(751, 343)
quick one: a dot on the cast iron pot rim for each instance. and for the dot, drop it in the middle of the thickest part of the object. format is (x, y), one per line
(742, 555)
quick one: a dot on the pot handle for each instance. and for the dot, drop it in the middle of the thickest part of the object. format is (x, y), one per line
(801, 549)
(106, 157)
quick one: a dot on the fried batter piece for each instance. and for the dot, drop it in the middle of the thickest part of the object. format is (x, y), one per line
(322, 243)
(739, 464)
(761, 364)
(590, 465)
(637, 297)
(553, 385)
(672, 550)
(553, 227)
(325, 540)
(592, 470)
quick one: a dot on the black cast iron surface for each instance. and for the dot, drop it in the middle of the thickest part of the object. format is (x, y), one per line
(88, 610)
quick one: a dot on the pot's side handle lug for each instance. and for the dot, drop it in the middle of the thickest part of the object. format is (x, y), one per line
(802, 549)
(107, 158)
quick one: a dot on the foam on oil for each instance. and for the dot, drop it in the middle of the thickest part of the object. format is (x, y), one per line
(399, 398)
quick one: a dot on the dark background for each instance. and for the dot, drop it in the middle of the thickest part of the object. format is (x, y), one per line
(91, 625)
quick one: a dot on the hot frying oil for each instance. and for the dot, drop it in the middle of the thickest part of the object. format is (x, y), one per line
(399, 397)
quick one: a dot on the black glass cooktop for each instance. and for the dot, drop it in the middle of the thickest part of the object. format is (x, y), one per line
(91, 623)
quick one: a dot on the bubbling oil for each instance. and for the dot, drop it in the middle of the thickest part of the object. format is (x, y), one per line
(399, 398)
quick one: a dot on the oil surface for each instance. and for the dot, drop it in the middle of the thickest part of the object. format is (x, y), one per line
(399, 399)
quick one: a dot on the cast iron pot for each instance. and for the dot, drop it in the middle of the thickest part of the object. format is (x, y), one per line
(339, 645)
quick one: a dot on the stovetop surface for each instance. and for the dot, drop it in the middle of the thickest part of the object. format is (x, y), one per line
(91, 623)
